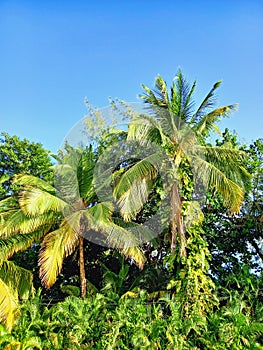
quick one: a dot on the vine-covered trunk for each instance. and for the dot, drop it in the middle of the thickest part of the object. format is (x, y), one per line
(83, 282)
(176, 223)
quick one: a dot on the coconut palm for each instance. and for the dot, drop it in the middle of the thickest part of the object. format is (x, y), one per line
(62, 215)
(172, 124)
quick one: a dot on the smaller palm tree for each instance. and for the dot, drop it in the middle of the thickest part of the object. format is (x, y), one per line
(61, 216)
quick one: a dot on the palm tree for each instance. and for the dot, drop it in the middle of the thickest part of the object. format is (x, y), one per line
(181, 132)
(61, 216)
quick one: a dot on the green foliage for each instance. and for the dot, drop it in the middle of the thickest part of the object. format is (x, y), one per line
(21, 156)
(172, 303)
(99, 323)
(236, 239)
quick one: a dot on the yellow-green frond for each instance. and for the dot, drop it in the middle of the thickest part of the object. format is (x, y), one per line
(15, 283)
(229, 160)
(18, 243)
(213, 177)
(118, 237)
(56, 246)
(16, 221)
(144, 169)
(101, 212)
(8, 305)
(34, 201)
(18, 279)
(136, 254)
(143, 128)
(7, 204)
(132, 201)
(33, 181)
(208, 122)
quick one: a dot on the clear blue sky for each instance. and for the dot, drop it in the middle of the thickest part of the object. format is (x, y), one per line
(53, 54)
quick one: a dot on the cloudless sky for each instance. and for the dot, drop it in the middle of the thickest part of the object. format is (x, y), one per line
(53, 54)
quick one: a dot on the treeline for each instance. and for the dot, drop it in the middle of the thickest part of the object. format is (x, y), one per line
(153, 231)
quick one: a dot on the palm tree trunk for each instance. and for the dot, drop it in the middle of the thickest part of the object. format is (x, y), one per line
(83, 282)
(176, 223)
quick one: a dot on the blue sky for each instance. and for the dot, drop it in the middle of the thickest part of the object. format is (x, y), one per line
(56, 53)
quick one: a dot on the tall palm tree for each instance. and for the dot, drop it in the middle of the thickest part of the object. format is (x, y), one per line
(61, 216)
(172, 123)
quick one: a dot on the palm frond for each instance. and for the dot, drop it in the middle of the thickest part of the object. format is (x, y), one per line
(8, 305)
(33, 181)
(8, 203)
(213, 177)
(55, 247)
(101, 212)
(85, 175)
(179, 93)
(18, 243)
(133, 199)
(18, 279)
(160, 107)
(161, 90)
(136, 254)
(144, 127)
(118, 237)
(66, 182)
(142, 232)
(154, 98)
(228, 160)
(34, 201)
(208, 122)
(10, 222)
(144, 169)
(132, 190)
(207, 103)
(188, 103)
(15, 221)
(15, 283)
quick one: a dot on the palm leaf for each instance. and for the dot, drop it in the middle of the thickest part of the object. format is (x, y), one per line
(15, 283)
(15, 221)
(207, 123)
(115, 236)
(34, 201)
(101, 212)
(33, 181)
(8, 305)
(18, 243)
(207, 103)
(133, 188)
(66, 182)
(132, 201)
(8, 203)
(125, 242)
(56, 246)
(85, 175)
(136, 254)
(212, 177)
(143, 128)
(151, 98)
(144, 169)
(228, 160)
(18, 279)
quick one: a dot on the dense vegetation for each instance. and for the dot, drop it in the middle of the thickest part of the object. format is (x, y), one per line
(150, 237)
